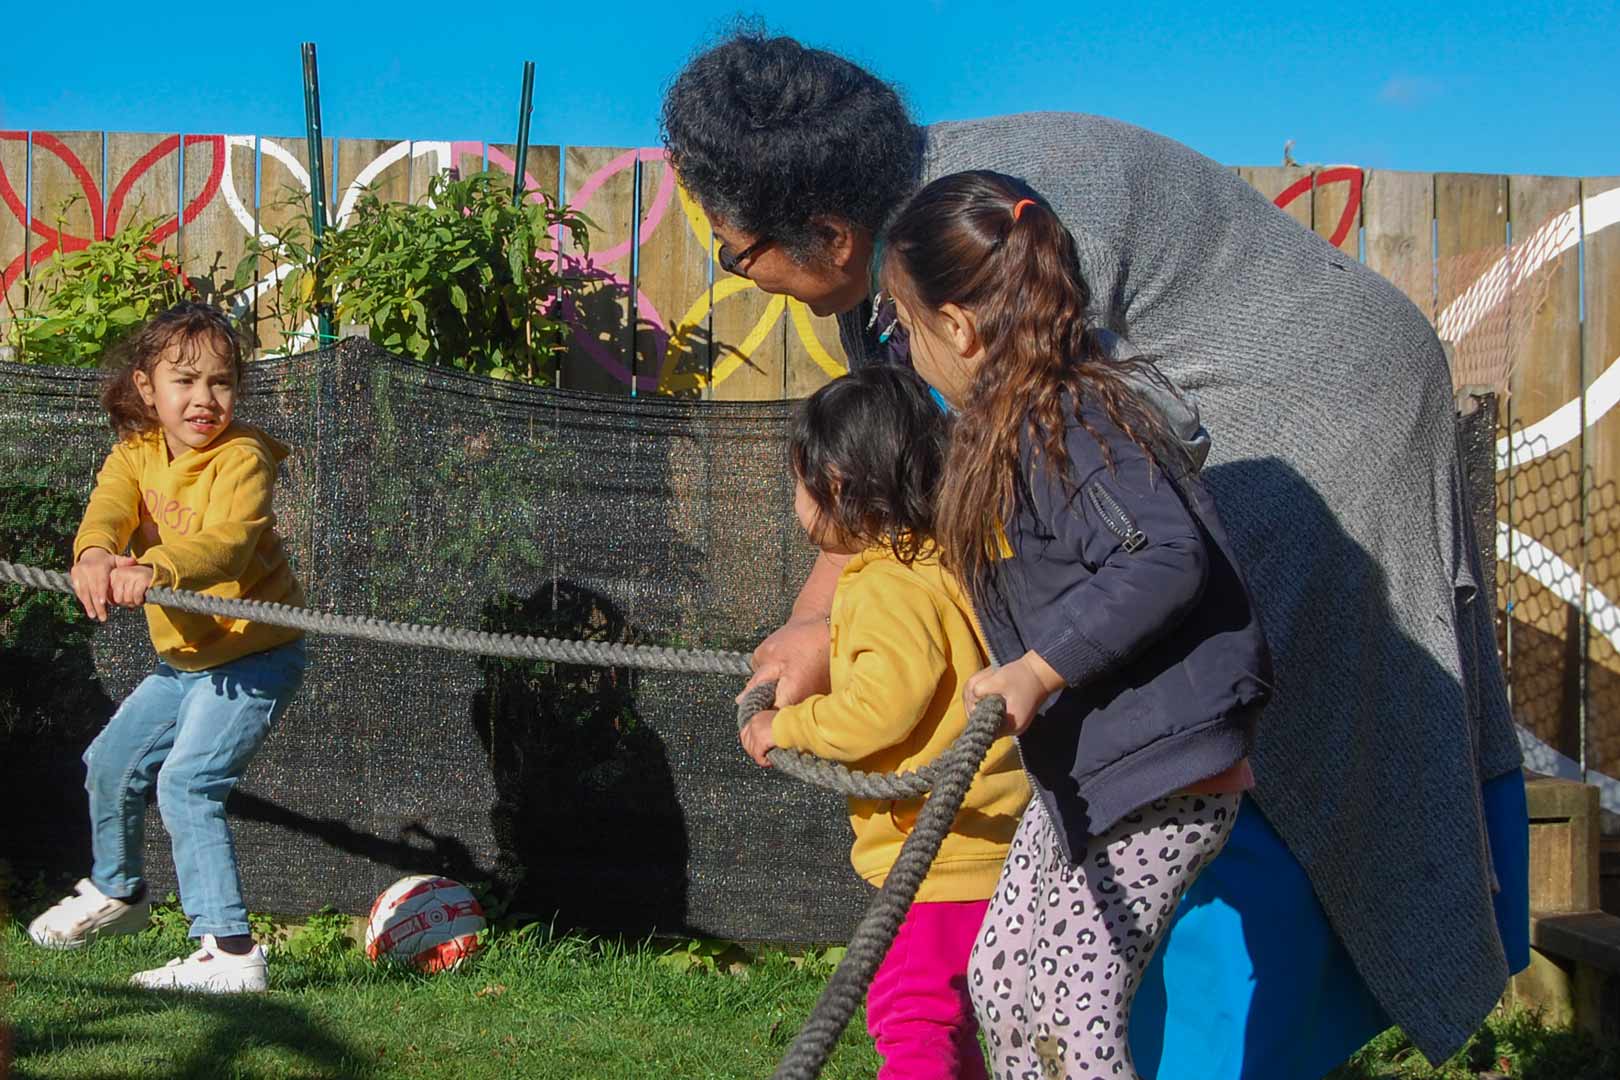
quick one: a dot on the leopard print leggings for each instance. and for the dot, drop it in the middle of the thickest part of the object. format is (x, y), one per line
(1063, 947)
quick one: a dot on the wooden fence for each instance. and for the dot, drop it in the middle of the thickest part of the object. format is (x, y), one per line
(1521, 275)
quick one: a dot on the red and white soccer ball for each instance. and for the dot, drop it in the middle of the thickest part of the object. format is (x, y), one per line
(428, 922)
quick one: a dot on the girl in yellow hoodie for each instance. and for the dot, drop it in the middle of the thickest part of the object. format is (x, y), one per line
(866, 452)
(183, 501)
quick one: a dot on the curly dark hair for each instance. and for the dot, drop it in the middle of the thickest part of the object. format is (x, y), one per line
(869, 447)
(188, 323)
(769, 136)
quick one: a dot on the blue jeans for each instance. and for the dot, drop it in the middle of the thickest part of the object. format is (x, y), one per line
(191, 735)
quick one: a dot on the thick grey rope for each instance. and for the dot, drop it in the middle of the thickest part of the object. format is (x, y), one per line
(948, 776)
(514, 646)
(951, 772)
(839, 778)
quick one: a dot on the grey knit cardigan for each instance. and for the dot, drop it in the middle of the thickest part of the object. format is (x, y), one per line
(1335, 464)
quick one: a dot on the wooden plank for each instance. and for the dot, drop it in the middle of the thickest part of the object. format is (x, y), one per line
(543, 169)
(1287, 185)
(66, 181)
(143, 181)
(672, 282)
(1590, 938)
(600, 182)
(750, 341)
(381, 166)
(459, 158)
(1546, 309)
(1601, 204)
(283, 197)
(814, 354)
(1470, 237)
(1470, 211)
(14, 233)
(1336, 192)
(1398, 216)
(466, 158)
(1564, 821)
(219, 214)
(1543, 340)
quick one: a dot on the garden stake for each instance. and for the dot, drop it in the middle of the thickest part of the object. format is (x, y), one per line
(520, 163)
(317, 175)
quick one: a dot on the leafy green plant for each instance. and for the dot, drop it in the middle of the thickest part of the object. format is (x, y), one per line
(494, 900)
(324, 934)
(170, 925)
(706, 956)
(266, 929)
(819, 962)
(527, 939)
(84, 302)
(457, 278)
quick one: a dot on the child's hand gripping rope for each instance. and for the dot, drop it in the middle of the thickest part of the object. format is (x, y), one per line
(129, 581)
(92, 581)
(756, 737)
(1024, 684)
(101, 578)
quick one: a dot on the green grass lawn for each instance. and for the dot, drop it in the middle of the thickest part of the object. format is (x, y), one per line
(529, 1005)
(566, 1008)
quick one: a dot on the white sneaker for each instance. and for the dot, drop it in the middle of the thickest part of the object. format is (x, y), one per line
(86, 914)
(209, 970)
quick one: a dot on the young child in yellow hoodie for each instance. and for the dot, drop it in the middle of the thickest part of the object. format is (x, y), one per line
(183, 501)
(866, 452)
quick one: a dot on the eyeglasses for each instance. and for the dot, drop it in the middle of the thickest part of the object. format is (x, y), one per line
(729, 262)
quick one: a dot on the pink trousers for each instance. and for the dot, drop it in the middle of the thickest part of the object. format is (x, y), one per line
(918, 1009)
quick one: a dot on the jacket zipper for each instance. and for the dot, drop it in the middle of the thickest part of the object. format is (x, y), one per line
(1115, 518)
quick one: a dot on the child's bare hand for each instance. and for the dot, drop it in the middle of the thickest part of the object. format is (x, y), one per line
(1022, 684)
(91, 584)
(756, 737)
(129, 581)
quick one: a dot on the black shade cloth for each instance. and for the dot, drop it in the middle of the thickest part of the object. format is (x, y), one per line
(612, 799)
(609, 799)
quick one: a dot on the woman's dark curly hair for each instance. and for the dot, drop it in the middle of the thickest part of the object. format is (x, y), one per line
(769, 136)
(869, 447)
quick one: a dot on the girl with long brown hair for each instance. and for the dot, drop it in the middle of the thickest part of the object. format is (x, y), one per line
(1120, 628)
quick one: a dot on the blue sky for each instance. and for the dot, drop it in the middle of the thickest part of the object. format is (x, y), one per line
(1491, 87)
